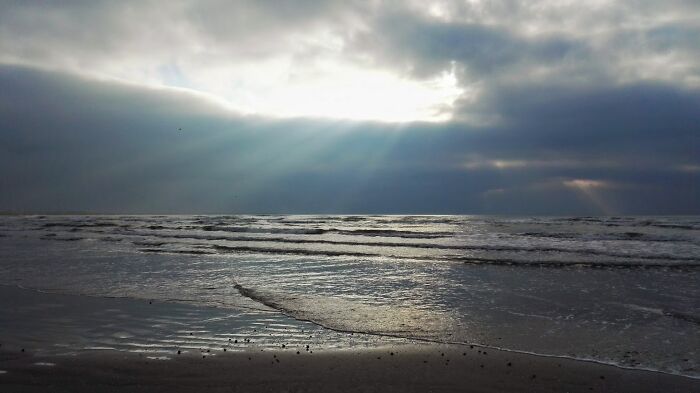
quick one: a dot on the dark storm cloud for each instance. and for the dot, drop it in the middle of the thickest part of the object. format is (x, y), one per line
(424, 46)
(643, 119)
(510, 42)
(68, 143)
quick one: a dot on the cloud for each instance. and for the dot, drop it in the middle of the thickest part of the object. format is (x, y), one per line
(71, 143)
(423, 46)
(347, 59)
(146, 31)
(350, 106)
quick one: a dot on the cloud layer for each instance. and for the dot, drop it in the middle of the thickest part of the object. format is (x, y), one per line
(272, 57)
(535, 107)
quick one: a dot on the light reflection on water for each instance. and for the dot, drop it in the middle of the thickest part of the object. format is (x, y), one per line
(572, 287)
(71, 324)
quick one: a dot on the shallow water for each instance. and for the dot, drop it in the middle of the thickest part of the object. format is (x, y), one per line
(57, 324)
(620, 290)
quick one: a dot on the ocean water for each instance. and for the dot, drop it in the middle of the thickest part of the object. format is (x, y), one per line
(618, 290)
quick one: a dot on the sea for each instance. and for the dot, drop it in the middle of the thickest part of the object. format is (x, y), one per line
(615, 290)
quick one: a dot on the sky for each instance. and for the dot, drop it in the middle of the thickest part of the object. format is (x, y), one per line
(305, 106)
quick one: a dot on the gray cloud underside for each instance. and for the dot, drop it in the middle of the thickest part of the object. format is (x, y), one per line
(487, 42)
(554, 92)
(69, 143)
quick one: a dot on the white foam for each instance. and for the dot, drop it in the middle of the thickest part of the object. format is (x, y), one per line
(158, 357)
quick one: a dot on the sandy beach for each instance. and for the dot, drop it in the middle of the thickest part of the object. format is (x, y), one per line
(424, 369)
(35, 324)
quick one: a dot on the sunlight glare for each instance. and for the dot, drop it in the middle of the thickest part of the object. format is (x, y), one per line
(335, 91)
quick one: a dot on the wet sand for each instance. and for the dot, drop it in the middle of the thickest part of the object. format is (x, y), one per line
(409, 369)
(48, 342)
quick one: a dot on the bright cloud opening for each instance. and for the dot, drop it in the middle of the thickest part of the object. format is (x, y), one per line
(343, 92)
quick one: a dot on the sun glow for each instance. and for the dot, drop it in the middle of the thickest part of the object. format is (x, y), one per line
(592, 192)
(333, 90)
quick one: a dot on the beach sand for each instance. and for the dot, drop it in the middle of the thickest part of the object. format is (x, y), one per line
(49, 342)
(409, 369)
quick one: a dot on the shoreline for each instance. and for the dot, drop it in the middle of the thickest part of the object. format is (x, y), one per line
(170, 308)
(36, 320)
(388, 369)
